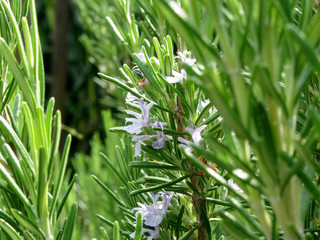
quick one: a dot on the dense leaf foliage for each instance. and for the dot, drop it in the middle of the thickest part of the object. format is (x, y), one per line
(221, 132)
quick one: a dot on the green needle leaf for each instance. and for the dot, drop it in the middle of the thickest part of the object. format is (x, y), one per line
(156, 165)
(18, 75)
(138, 234)
(10, 230)
(27, 223)
(116, 232)
(11, 182)
(65, 195)
(62, 170)
(68, 230)
(128, 89)
(160, 186)
(114, 196)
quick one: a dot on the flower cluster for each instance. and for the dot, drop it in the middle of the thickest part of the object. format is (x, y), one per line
(142, 121)
(154, 214)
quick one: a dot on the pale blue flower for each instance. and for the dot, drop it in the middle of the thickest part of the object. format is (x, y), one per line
(153, 234)
(139, 141)
(157, 144)
(195, 135)
(141, 120)
(130, 97)
(161, 138)
(158, 124)
(195, 132)
(154, 214)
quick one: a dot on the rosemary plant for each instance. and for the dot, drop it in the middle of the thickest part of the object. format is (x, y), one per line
(223, 115)
(31, 170)
(221, 138)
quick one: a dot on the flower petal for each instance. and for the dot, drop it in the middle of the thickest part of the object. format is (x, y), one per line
(130, 112)
(182, 140)
(137, 149)
(153, 219)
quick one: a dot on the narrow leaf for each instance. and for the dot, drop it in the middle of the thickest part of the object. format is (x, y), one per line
(14, 25)
(128, 89)
(116, 232)
(68, 230)
(10, 181)
(306, 47)
(156, 165)
(191, 36)
(160, 186)
(62, 170)
(10, 230)
(65, 195)
(188, 234)
(55, 141)
(115, 170)
(179, 221)
(18, 75)
(27, 223)
(138, 231)
(104, 187)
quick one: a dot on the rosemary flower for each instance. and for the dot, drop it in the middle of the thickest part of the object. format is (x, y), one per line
(177, 77)
(140, 120)
(154, 214)
(195, 134)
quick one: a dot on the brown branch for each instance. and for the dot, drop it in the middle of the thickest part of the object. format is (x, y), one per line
(197, 199)
(59, 54)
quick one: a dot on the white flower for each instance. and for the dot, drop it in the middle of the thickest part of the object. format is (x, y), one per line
(140, 120)
(195, 134)
(177, 77)
(204, 103)
(157, 144)
(153, 214)
(139, 141)
(188, 60)
(132, 98)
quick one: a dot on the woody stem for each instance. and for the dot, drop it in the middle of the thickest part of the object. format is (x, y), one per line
(198, 200)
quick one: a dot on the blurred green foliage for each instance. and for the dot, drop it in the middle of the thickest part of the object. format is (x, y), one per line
(86, 192)
(90, 108)
(84, 98)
